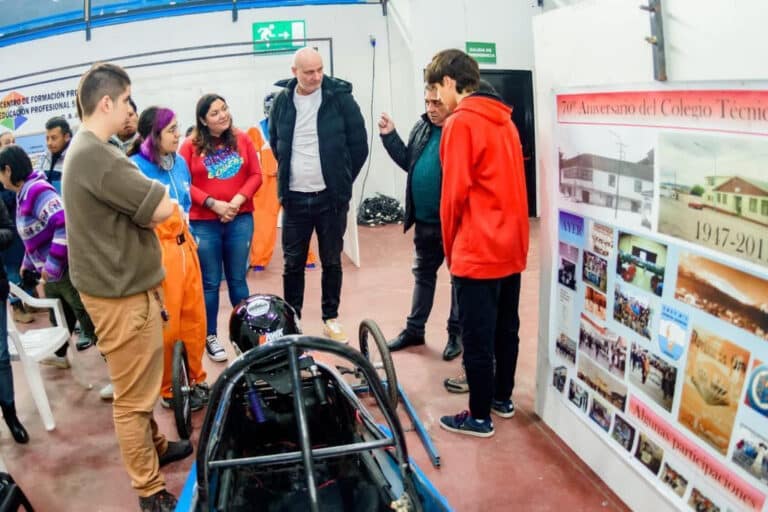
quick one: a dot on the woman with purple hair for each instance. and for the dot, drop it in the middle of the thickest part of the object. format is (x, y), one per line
(154, 152)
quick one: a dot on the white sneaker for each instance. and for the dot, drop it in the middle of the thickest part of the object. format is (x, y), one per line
(57, 361)
(214, 349)
(107, 392)
(333, 329)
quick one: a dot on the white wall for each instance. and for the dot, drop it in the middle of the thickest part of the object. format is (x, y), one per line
(243, 81)
(601, 43)
(420, 28)
(406, 39)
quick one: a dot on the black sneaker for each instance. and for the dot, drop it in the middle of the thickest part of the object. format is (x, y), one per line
(176, 450)
(84, 341)
(503, 408)
(195, 402)
(202, 391)
(464, 423)
(162, 501)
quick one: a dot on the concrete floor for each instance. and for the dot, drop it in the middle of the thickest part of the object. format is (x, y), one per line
(525, 466)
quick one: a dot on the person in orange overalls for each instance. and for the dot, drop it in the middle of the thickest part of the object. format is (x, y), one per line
(154, 153)
(266, 205)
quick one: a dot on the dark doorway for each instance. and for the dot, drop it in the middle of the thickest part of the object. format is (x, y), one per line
(516, 89)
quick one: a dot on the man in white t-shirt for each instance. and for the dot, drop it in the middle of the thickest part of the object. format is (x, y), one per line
(318, 136)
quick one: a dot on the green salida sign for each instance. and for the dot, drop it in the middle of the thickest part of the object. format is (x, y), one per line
(271, 36)
(484, 53)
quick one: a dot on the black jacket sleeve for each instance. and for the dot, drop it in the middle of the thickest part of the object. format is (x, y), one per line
(396, 149)
(7, 228)
(357, 137)
(274, 119)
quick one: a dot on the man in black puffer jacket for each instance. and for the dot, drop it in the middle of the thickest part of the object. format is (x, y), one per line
(421, 160)
(318, 137)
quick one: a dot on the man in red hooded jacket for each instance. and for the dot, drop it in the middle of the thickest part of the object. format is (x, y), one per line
(484, 218)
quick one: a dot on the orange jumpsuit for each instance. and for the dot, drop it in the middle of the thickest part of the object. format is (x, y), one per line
(183, 289)
(266, 205)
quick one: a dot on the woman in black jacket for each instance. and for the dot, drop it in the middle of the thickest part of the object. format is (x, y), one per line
(6, 374)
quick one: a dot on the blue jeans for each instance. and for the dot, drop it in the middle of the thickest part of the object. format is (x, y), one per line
(6, 374)
(228, 243)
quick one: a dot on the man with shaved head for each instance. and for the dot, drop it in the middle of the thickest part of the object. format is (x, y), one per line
(318, 136)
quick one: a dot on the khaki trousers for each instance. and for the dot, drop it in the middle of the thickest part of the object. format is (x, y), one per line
(130, 334)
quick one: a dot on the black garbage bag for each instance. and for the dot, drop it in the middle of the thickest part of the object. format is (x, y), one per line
(379, 210)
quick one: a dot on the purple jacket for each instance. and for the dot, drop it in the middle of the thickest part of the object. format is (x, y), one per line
(40, 223)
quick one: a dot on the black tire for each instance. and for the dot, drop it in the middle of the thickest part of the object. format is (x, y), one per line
(384, 360)
(181, 390)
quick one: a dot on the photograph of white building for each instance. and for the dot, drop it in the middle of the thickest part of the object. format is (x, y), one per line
(713, 191)
(599, 180)
(608, 174)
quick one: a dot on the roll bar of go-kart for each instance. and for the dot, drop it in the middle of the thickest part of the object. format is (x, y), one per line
(291, 347)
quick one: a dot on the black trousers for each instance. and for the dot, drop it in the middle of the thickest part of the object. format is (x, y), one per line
(74, 310)
(304, 213)
(428, 242)
(488, 313)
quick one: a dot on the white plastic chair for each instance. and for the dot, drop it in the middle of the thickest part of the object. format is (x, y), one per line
(34, 345)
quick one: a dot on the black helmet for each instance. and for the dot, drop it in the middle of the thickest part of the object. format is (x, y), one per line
(259, 319)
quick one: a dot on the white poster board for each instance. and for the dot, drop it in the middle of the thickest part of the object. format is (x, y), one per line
(659, 332)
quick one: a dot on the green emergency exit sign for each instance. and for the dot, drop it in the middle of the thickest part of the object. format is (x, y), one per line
(484, 53)
(271, 36)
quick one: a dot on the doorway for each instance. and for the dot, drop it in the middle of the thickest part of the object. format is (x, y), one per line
(516, 89)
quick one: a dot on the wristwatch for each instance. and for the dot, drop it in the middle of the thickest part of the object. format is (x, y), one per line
(209, 202)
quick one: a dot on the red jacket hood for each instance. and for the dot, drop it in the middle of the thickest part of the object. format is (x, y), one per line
(488, 106)
(483, 203)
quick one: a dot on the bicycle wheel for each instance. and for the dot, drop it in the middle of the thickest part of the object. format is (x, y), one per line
(378, 355)
(181, 391)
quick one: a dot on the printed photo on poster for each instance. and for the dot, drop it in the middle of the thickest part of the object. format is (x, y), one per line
(614, 391)
(566, 272)
(714, 377)
(565, 347)
(641, 262)
(564, 311)
(603, 345)
(724, 292)
(594, 302)
(600, 239)
(633, 310)
(677, 482)
(700, 503)
(757, 388)
(559, 375)
(623, 433)
(751, 453)
(578, 395)
(653, 376)
(649, 453)
(571, 229)
(595, 271)
(600, 414)
(714, 192)
(607, 173)
(673, 328)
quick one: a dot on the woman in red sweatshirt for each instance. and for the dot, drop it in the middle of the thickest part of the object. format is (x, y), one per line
(225, 174)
